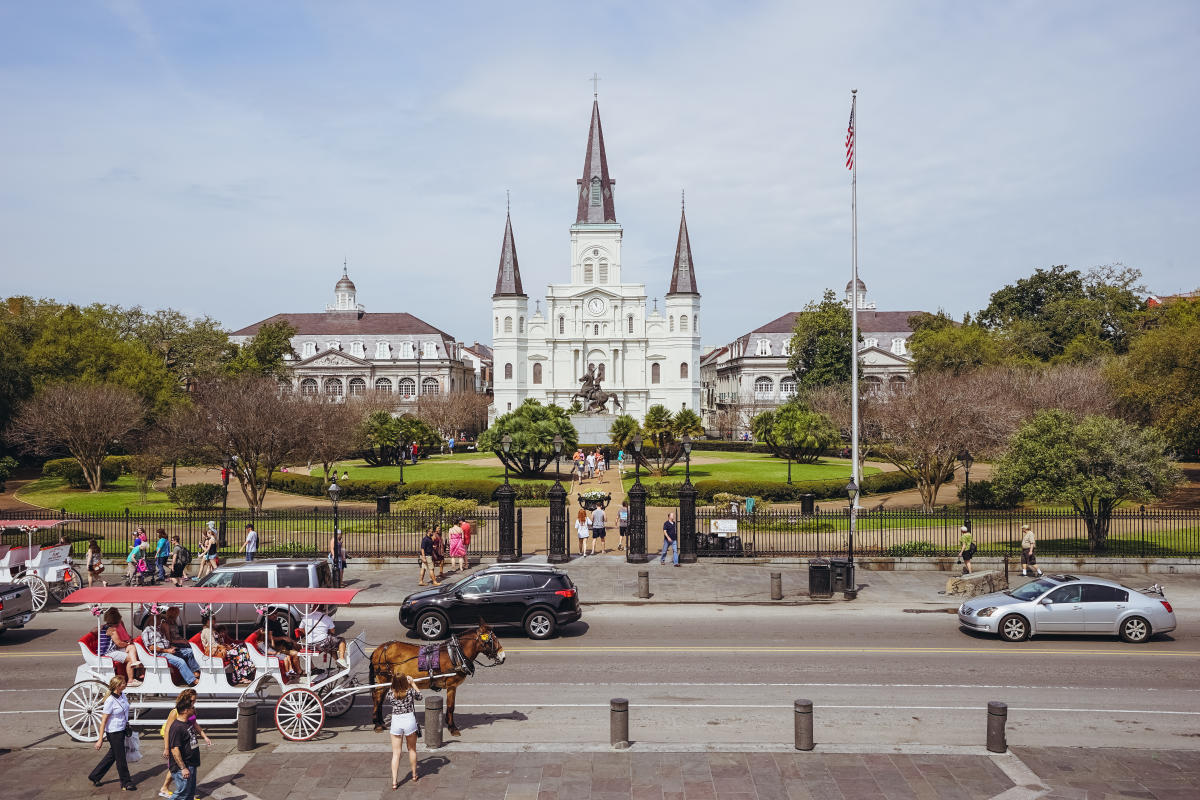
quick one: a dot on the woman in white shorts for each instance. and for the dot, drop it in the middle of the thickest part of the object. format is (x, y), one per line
(403, 697)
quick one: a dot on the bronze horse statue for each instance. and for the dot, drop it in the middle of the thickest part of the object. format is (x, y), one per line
(456, 660)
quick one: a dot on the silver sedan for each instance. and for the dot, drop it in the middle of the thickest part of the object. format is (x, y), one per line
(1071, 605)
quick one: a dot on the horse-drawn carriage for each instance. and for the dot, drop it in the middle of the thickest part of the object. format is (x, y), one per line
(302, 703)
(46, 569)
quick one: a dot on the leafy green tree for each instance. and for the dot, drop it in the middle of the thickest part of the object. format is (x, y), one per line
(264, 353)
(623, 429)
(1094, 463)
(794, 431)
(662, 432)
(820, 345)
(532, 427)
(1158, 381)
(385, 439)
(8, 465)
(190, 349)
(940, 345)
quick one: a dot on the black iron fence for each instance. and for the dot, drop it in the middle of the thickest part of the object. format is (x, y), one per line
(909, 533)
(281, 534)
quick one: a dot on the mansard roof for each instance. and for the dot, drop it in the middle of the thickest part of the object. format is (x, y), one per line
(335, 323)
(595, 168)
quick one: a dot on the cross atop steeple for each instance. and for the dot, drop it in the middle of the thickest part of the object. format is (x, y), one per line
(595, 79)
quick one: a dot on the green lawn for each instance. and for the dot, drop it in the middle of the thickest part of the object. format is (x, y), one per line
(752, 467)
(54, 493)
(460, 466)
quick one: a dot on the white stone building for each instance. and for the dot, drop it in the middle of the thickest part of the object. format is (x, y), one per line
(597, 319)
(347, 351)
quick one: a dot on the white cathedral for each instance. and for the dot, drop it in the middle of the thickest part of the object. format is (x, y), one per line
(597, 320)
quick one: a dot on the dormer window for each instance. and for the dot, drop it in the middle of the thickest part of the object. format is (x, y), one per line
(357, 349)
(898, 346)
(334, 346)
(407, 351)
(871, 343)
(595, 191)
(310, 349)
(382, 351)
(764, 347)
(430, 350)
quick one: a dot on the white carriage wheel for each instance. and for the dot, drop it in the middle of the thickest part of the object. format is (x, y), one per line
(81, 709)
(342, 702)
(71, 581)
(299, 715)
(38, 590)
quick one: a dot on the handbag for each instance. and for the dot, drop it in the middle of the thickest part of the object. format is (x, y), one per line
(133, 747)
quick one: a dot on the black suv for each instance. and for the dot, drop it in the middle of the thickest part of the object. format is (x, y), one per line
(537, 598)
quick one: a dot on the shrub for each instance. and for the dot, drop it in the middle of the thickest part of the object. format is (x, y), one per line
(69, 470)
(7, 465)
(987, 494)
(477, 490)
(911, 549)
(783, 492)
(194, 496)
(433, 509)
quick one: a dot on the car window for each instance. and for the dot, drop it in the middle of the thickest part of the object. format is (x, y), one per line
(218, 579)
(1094, 593)
(514, 582)
(1033, 589)
(251, 578)
(292, 577)
(482, 584)
(1065, 594)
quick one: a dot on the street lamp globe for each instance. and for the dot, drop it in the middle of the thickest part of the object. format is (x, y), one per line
(558, 445)
(966, 459)
(852, 491)
(686, 441)
(506, 443)
(637, 443)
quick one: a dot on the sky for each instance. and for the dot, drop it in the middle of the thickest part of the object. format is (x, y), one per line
(226, 158)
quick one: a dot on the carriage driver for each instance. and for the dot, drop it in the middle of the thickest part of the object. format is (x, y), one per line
(317, 627)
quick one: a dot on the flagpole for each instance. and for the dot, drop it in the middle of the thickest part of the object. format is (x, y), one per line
(854, 466)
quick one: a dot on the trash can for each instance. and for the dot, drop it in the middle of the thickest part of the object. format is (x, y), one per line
(842, 575)
(819, 584)
(383, 504)
(807, 504)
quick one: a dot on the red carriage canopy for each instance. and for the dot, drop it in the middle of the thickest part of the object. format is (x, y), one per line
(176, 595)
(29, 523)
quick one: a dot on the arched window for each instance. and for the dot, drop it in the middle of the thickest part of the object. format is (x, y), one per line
(382, 350)
(671, 326)
(508, 372)
(537, 372)
(655, 373)
(897, 382)
(358, 386)
(562, 324)
(310, 349)
(520, 324)
(588, 272)
(407, 388)
(308, 386)
(508, 324)
(763, 347)
(603, 271)
(430, 386)
(787, 388)
(496, 325)
(383, 386)
(629, 323)
(333, 387)
(683, 370)
(596, 331)
(872, 384)
(764, 388)
(696, 323)
(683, 322)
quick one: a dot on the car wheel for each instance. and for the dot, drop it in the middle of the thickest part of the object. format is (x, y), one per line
(540, 624)
(1014, 628)
(1135, 630)
(432, 625)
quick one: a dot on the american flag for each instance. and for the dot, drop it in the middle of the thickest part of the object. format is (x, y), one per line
(850, 140)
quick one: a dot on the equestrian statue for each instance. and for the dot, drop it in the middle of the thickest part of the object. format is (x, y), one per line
(595, 399)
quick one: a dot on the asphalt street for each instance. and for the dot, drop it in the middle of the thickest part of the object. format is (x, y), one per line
(711, 674)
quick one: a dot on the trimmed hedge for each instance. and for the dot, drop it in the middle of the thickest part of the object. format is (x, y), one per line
(822, 490)
(69, 469)
(313, 486)
(985, 494)
(195, 496)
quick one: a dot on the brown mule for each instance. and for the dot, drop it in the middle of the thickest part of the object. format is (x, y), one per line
(400, 658)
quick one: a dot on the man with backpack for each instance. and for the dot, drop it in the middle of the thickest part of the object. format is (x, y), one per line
(179, 560)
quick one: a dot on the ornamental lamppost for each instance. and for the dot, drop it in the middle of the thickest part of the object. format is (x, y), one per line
(967, 461)
(335, 494)
(507, 497)
(850, 589)
(687, 507)
(636, 554)
(559, 541)
(788, 440)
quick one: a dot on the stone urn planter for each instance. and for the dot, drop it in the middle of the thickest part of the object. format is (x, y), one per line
(593, 500)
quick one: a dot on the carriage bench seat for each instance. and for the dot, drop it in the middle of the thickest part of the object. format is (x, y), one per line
(88, 644)
(152, 660)
(259, 656)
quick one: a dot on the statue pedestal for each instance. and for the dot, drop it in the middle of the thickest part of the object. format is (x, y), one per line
(593, 428)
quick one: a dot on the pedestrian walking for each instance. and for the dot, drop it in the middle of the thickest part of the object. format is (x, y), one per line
(1028, 545)
(580, 466)
(458, 551)
(425, 558)
(623, 524)
(337, 557)
(95, 563)
(208, 546)
(114, 726)
(583, 530)
(162, 551)
(598, 531)
(403, 696)
(670, 540)
(251, 545)
(465, 524)
(414, 451)
(620, 462)
(183, 749)
(168, 784)
(178, 560)
(590, 465)
(439, 551)
(967, 548)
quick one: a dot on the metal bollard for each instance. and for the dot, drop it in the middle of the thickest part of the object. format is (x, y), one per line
(776, 586)
(618, 722)
(804, 725)
(247, 725)
(997, 715)
(643, 584)
(433, 721)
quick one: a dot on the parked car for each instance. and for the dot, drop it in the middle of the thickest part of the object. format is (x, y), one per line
(278, 573)
(16, 606)
(538, 598)
(1071, 605)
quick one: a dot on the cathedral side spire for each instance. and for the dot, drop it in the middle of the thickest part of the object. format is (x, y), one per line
(595, 187)
(683, 274)
(508, 276)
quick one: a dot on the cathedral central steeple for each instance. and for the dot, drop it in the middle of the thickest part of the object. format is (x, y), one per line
(595, 187)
